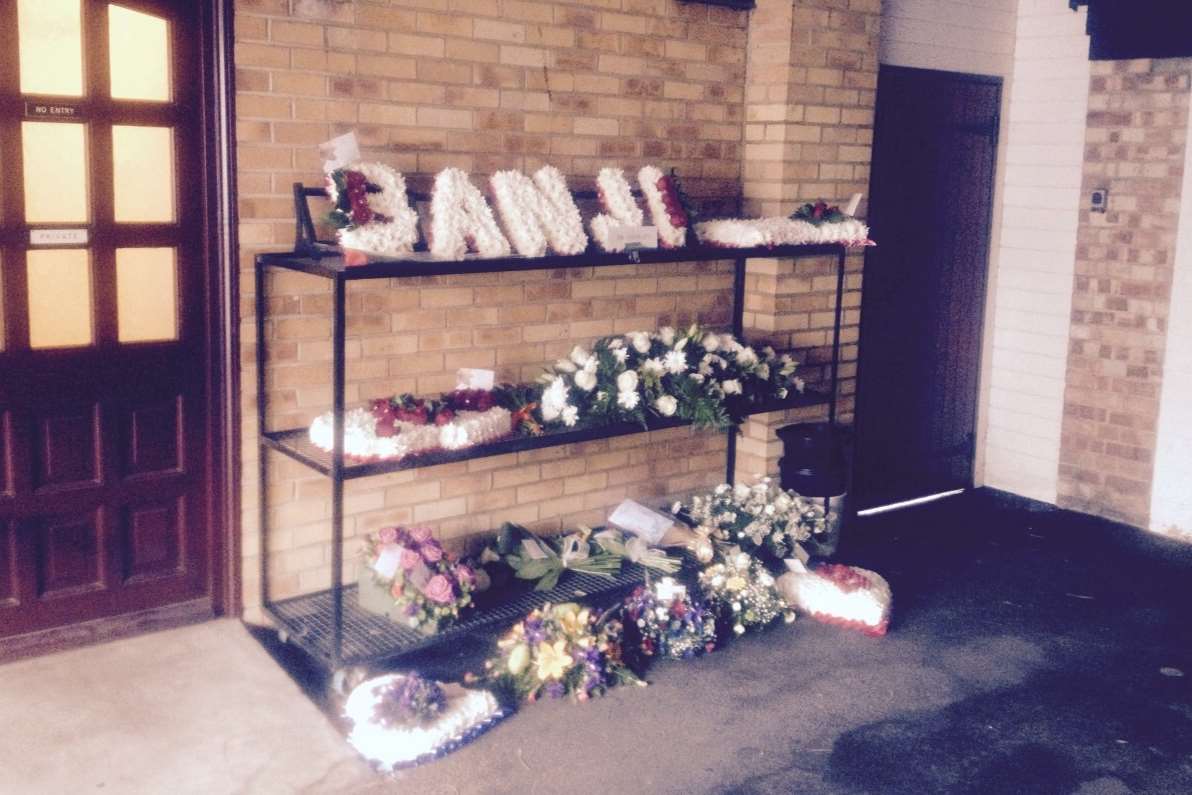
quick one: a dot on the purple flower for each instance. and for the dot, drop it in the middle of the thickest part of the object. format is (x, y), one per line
(387, 535)
(438, 589)
(556, 689)
(409, 559)
(465, 575)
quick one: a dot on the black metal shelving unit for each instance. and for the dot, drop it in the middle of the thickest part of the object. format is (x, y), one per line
(333, 629)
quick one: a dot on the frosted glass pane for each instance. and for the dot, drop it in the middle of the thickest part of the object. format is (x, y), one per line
(51, 45)
(146, 294)
(59, 298)
(55, 172)
(143, 158)
(140, 56)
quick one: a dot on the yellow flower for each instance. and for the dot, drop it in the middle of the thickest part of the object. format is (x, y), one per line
(518, 658)
(571, 618)
(553, 661)
(735, 583)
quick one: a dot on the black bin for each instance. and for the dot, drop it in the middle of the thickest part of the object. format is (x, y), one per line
(813, 465)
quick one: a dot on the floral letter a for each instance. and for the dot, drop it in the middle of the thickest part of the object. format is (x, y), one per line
(539, 213)
(459, 216)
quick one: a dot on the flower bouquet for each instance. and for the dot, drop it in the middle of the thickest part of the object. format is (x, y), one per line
(664, 621)
(599, 553)
(558, 650)
(762, 520)
(742, 593)
(409, 578)
(706, 378)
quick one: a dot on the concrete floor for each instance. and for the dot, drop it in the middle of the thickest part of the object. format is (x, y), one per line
(1032, 652)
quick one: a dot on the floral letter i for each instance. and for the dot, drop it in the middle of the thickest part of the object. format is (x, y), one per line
(459, 216)
(620, 208)
(539, 213)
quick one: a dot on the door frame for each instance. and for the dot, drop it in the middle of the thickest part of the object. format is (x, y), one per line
(980, 402)
(221, 368)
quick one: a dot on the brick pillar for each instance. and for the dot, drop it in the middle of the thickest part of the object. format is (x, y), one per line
(1134, 145)
(809, 97)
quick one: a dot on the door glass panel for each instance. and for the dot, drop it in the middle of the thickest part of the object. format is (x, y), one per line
(59, 298)
(146, 294)
(55, 172)
(140, 57)
(51, 45)
(143, 159)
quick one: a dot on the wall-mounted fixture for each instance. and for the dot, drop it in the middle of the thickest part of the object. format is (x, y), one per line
(1099, 200)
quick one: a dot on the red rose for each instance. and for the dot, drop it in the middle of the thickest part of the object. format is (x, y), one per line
(444, 417)
(438, 589)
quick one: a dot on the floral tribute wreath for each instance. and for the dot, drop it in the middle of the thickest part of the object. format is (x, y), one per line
(664, 621)
(371, 211)
(402, 720)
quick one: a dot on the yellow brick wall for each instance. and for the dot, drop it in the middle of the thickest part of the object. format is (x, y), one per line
(485, 85)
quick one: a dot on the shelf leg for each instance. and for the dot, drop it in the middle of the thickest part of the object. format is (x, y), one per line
(730, 455)
(262, 417)
(337, 470)
(840, 260)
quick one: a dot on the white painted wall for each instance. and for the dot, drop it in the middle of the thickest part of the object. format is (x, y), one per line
(1034, 253)
(1171, 492)
(974, 36)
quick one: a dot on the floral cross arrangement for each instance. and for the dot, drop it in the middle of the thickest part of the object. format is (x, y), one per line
(556, 651)
(706, 378)
(762, 520)
(424, 587)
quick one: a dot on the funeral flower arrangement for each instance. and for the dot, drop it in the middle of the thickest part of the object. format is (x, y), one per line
(400, 720)
(763, 520)
(664, 621)
(600, 553)
(425, 588)
(811, 223)
(556, 651)
(405, 425)
(703, 377)
(743, 594)
(370, 209)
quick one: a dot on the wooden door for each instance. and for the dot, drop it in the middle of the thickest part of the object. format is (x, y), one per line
(104, 479)
(923, 295)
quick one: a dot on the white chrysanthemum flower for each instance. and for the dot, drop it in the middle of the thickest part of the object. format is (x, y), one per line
(675, 362)
(570, 415)
(627, 381)
(746, 357)
(616, 343)
(586, 380)
(628, 399)
(565, 365)
(554, 399)
(653, 366)
(731, 387)
(667, 335)
(710, 341)
(620, 354)
(640, 341)
(666, 405)
(763, 372)
(579, 356)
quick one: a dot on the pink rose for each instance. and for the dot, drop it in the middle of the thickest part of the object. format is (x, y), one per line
(409, 559)
(431, 551)
(465, 575)
(438, 589)
(387, 535)
(420, 535)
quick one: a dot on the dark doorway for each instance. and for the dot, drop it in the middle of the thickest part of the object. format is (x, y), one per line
(111, 321)
(923, 298)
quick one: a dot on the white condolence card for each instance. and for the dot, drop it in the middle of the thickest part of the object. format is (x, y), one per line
(650, 526)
